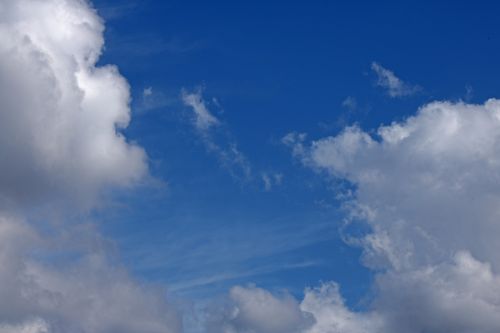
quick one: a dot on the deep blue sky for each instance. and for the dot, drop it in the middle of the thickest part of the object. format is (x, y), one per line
(273, 67)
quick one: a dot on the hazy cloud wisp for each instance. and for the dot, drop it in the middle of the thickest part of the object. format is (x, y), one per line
(394, 86)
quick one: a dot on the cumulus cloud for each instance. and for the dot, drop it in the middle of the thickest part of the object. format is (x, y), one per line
(60, 122)
(332, 315)
(419, 178)
(255, 310)
(388, 80)
(322, 310)
(429, 188)
(86, 294)
(60, 115)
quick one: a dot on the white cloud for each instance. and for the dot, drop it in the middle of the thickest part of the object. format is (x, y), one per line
(151, 99)
(85, 294)
(420, 177)
(254, 310)
(429, 188)
(203, 119)
(60, 122)
(331, 314)
(32, 326)
(462, 295)
(395, 86)
(271, 180)
(226, 150)
(147, 91)
(350, 103)
(61, 115)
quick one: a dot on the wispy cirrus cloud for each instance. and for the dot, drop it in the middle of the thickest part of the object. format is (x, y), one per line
(394, 86)
(225, 149)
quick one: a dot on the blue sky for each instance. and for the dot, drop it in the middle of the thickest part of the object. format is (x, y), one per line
(266, 69)
(249, 167)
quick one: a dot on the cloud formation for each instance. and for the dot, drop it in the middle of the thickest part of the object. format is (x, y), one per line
(60, 140)
(253, 309)
(88, 293)
(322, 310)
(271, 180)
(429, 189)
(394, 86)
(205, 123)
(61, 115)
(203, 119)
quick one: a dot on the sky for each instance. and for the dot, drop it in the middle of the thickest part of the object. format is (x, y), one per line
(261, 167)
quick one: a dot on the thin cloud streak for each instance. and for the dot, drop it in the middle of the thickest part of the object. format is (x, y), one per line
(394, 86)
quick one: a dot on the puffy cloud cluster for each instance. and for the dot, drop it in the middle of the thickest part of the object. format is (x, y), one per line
(60, 115)
(255, 310)
(429, 188)
(252, 310)
(60, 122)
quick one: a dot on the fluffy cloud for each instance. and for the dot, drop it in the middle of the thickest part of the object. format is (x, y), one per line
(418, 180)
(85, 294)
(60, 122)
(388, 80)
(331, 314)
(462, 295)
(254, 310)
(429, 188)
(60, 115)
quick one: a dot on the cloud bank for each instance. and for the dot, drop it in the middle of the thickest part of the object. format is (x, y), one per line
(60, 141)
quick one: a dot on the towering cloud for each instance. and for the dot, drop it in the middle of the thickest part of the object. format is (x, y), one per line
(60, 141)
